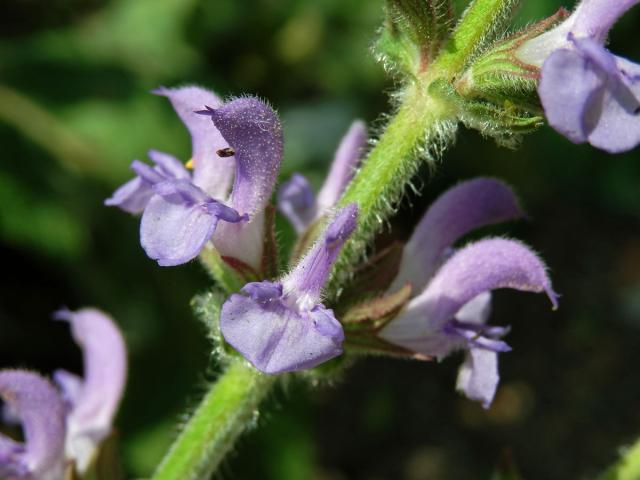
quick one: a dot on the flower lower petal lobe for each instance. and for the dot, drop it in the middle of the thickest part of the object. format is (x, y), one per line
(478, 376)
(42, 413)
(275, 336)
(568, 85)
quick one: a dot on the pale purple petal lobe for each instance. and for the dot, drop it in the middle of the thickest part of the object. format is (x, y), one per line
(594, 18)
(589, 95)
(458, 211)
(297, 202)
(344, 165)
(96, 400)
(132, 197)
(179, 221)
(478, 376)
(42, 413)
(276, 337)
(211, 173)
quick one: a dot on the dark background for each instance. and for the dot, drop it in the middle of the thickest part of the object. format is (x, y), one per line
(75, 109)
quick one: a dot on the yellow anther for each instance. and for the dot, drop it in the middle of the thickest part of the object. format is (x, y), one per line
(189, 164)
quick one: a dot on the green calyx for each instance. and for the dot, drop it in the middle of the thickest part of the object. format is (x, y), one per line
(498, 75)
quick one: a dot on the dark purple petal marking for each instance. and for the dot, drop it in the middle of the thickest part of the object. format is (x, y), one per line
(42, 413)
(458, 211)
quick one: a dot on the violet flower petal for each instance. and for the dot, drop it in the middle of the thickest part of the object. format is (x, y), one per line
(479, 267)
(594, 18)
(344, 165)
(310, 275)
(135, 194)
(168, 165)
(70, 385)
(211, 173)
(274, 336)
(254, 132)
(132, 196)
(297, 202)
(478, 376)
(587, 97)
(477, 310)
(280, 326)
(105, 372)
(459, 210)
(179, 221)
(42, 413)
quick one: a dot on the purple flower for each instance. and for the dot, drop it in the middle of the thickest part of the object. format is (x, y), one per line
(65, 425)
(41, 410)
(92, 401)
(182, 211)
(452, 299)
(282, 326)
(296, 199)
(588, 94)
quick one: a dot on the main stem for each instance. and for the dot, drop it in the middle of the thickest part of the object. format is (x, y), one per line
(421, 127)
(218, 421)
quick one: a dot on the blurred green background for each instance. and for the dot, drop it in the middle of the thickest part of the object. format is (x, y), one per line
(75, 109)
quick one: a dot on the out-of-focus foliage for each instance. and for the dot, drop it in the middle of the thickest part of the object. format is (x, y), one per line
(75, 109)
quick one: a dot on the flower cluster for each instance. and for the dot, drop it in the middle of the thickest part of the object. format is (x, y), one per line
(283, 325)
(65, 424)
(588, 93)
(239, 141)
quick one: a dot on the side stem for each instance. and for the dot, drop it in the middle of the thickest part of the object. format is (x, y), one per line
(218, 421)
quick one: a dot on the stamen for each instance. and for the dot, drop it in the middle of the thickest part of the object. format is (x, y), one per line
(189, 164)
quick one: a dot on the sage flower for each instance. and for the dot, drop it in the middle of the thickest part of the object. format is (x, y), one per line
(68, 423)
(239, 141)
(588, 93)
(41, 410)
(296, 199)
(451, 290)
(282, 326)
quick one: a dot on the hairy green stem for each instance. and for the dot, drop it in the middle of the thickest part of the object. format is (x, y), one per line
(421, 129)
(218, 421)
(481, 19)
